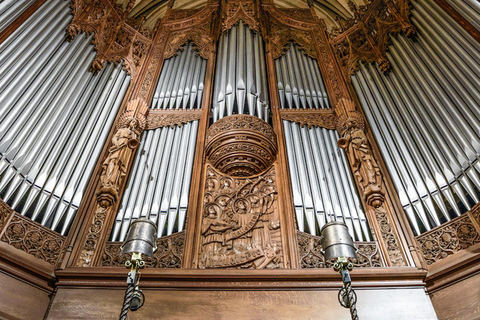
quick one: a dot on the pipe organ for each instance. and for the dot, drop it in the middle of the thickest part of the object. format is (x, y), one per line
(160, 181)
(240, 76)
(425, 117)
(322, 186)
(55, 116)
(240, 128)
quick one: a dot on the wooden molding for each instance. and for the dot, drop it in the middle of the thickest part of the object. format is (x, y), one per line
(170, 118)
(323, 118)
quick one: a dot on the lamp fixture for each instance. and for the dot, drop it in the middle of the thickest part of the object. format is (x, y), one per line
(338, 244)
(141, 239)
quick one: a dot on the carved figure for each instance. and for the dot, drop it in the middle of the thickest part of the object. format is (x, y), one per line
(240, 226)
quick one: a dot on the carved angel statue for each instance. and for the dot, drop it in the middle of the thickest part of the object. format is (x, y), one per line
(365, 168)
(114, 168)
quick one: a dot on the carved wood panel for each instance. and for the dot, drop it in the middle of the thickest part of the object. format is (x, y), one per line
(171, 118)
(451, 237)
(311, 255)
(324, 118)
(169, 253)
(240, 226)
(31, 237)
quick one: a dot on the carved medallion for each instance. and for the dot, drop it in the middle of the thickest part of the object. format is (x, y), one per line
(240, 223)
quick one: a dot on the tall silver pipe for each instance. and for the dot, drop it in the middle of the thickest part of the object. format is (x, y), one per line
(240, 77)
(57, 113)
(11, 10)
(424, 115)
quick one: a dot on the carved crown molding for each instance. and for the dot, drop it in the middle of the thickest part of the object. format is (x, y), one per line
(324, 118)
(170, 118)
(366, 36)
(117, 38)
(245, 10)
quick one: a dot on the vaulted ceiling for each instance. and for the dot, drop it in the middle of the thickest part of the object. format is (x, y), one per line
(328, 10)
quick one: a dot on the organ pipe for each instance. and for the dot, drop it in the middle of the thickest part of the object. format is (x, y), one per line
(159, 184)
(11, 10)
(322, 186)
(425, 117)
(55, 116)
(469, 9)
(240, 76)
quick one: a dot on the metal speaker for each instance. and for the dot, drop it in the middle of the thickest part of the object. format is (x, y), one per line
(336, 241)
(141, 237)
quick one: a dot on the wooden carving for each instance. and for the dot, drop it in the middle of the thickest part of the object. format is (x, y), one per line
(241, 145)
(366, 36)
(200, 33)
(311, 255)
(5, 212)
(324, 118)
(240, 225)
(351, 127)
(169, 253)
(451, 237)
(116, 38)
(244, 10)
(171, 118)
(33, 238)
(281, 36)
(114, 170)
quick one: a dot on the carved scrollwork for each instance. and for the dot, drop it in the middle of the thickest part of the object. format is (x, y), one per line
(169, 253)
(33, 238)
(244, 10)
(449, 238)
(240, 222)
(311, 255)
(171, 118)
(114, 170)
(115, 38)
(366, 36)
(5, 212)
(281, 36)
(324, 118)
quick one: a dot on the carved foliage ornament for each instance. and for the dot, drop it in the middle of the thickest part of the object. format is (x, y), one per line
(281, 36)
(244, 10)
(169, 253)
(116, 38)
(199, 32)
(240, 223)
(311, 254)
(171, 118)
(324, 118)
(33, 238)
(449, 238)
(129, 126)
(366, 36)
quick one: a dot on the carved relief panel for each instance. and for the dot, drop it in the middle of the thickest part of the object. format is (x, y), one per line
(240, 225)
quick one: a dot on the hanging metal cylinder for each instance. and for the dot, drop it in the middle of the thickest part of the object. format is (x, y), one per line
(336, 241)
(141, 238)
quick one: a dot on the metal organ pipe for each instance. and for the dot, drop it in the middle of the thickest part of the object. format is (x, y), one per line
(240, 76)
(425, 117)
(159, 183)
(55, 116)
(323, 189)
(11, 10)
(469, 9)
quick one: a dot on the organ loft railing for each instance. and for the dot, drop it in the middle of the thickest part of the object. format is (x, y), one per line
(243, 129)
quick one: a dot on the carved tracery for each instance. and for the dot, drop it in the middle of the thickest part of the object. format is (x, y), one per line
(116, 37)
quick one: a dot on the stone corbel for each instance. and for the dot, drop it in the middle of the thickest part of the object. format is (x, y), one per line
(125, 140)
